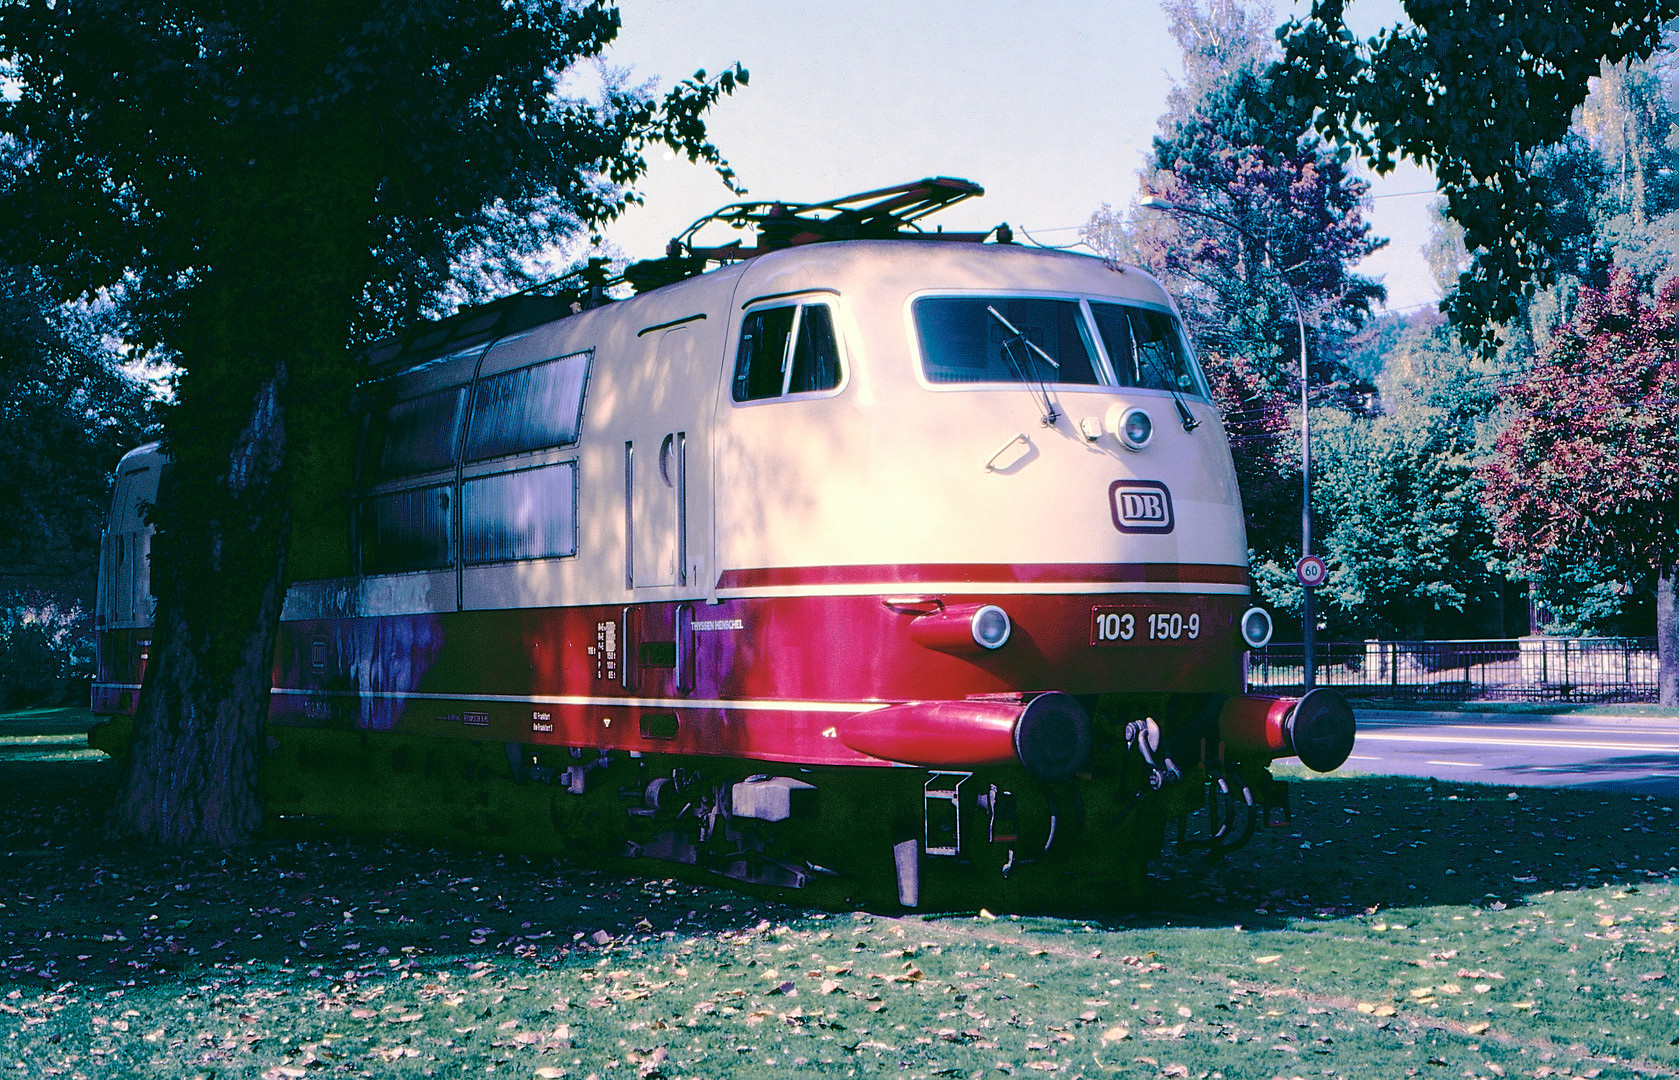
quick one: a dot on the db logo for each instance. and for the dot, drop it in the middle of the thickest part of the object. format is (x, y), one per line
(1140, 506)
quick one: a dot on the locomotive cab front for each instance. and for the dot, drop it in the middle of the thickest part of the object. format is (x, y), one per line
(987, 488)
(1017, 433)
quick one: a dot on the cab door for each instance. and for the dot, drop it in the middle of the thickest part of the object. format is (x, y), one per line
(659, 460)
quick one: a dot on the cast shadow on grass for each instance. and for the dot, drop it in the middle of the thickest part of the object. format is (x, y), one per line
(80, 908)
(1363, 843)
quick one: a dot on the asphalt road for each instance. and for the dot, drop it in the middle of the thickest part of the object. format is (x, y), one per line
(1626, 753)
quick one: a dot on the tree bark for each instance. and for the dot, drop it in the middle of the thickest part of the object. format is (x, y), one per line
(191, 778)
(1667, 637)
(263, 341)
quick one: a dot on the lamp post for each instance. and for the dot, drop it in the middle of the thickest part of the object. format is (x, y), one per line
(1308, 613)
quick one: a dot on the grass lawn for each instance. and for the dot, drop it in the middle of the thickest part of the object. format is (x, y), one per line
(1397, 927)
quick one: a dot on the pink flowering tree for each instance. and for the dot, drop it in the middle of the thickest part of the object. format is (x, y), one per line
(1589, 465)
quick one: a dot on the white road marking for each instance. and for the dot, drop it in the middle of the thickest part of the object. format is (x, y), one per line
(1459, 764)
(1519, 729)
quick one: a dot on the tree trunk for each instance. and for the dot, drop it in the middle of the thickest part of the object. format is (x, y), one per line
(218, 574)
(262, 338)
(1667, 637)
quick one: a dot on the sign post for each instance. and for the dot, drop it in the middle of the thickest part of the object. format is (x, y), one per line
(1311, 572)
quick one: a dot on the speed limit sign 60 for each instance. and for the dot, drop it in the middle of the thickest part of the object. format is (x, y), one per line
(1311, 570)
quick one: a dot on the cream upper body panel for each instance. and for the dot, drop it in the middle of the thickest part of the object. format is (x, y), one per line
(882, 468)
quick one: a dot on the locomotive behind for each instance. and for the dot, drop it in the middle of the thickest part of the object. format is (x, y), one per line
(869, 556)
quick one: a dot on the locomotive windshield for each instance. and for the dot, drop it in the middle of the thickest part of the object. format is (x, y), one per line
(990, 339)
(1146, 349)
(978, 339)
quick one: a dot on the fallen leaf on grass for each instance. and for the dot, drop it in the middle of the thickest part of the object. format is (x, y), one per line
(548, 1072)
(1115, 1034)
(1477, 1027)
(1267, 959)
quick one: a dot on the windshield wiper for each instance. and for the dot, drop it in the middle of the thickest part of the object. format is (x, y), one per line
(1050, 415)
(1188, 418)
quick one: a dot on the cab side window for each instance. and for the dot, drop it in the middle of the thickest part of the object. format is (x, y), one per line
(816, 363)
(786, 350)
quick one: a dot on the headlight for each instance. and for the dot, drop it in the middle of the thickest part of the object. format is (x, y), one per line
(990, 626)
(1256, 627)
(1136, 428)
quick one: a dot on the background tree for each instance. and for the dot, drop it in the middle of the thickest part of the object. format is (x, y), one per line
(1277, 213)
(1472, 91)
(1589, 464)
(1397, 496)
(275, 182)
(1272, 212)
(68, 413)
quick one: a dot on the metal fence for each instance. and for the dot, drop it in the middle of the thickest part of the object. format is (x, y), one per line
(1512, 669)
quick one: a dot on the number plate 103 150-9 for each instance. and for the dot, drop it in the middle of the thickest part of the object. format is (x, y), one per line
(1147, 626)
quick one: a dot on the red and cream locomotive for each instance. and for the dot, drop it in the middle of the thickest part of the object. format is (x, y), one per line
(916, 556)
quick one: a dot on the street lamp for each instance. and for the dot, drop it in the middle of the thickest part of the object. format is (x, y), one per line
(1307, 564)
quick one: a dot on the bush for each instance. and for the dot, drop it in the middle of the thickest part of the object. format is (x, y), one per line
(46, 652)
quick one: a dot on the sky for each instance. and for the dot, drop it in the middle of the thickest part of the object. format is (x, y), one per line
(1050, 106)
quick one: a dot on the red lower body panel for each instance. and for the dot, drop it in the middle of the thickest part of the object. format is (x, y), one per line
(763, 678)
